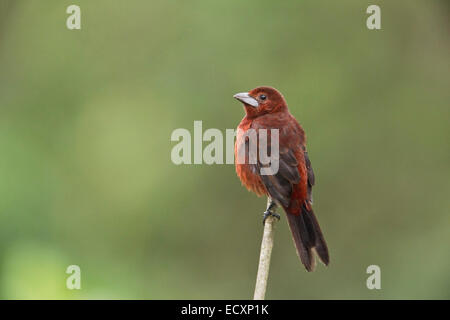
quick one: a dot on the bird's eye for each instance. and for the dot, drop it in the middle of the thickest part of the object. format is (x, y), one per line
(262, 97)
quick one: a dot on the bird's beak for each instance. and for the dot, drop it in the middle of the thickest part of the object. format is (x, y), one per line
(247, 99)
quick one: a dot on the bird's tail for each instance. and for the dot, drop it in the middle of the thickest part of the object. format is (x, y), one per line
(308, 238)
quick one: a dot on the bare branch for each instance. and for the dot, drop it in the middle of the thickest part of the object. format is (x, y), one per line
(264, 258)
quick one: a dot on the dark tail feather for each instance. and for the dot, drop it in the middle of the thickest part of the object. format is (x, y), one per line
(308, 237)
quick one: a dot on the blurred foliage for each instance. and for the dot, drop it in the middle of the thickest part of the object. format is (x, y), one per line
(85, 124)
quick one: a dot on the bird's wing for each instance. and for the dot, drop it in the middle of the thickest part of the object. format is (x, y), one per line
(310, 174)
(280, 185)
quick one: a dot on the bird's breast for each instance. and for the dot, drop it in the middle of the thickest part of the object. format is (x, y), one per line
(245, 170)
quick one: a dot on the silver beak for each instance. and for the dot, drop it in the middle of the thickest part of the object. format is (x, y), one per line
(247, 99)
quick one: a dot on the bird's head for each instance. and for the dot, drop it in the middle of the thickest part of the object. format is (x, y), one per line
(262, 100)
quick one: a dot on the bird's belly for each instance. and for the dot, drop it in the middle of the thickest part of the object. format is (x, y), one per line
(249, 179)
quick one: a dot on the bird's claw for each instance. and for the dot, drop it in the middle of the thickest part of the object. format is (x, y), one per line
(270, 213)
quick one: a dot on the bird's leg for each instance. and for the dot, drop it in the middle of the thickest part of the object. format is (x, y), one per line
(270, 210)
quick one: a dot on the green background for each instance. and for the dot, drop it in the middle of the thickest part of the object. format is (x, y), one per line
(86, 118)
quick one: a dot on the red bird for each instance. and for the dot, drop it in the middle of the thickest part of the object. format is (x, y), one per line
(289, 187)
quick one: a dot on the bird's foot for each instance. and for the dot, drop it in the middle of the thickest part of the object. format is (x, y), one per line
(270, 213)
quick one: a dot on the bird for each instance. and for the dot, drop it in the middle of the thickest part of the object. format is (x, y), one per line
(290, 187)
